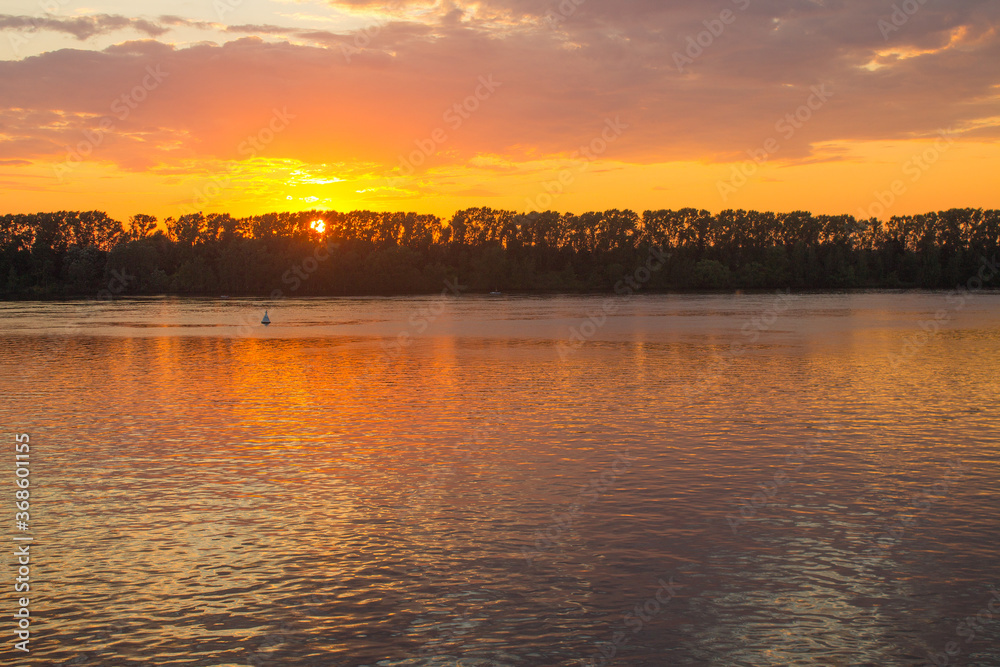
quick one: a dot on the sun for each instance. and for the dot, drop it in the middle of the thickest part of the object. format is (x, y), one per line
(318, 226)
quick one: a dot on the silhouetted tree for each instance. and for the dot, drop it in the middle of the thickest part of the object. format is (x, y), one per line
(368, 252)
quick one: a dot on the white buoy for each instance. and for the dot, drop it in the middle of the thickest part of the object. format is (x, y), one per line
(266, 320)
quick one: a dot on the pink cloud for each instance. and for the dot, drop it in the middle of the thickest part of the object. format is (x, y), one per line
(557, 87)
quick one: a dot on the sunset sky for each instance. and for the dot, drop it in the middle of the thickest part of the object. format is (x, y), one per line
(249, 106)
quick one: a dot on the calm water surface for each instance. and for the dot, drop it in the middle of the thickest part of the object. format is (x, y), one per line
(690, 480)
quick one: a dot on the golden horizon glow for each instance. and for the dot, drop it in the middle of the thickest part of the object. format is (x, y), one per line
(846, 185)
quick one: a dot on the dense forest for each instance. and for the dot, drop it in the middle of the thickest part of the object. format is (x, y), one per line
(46, 255)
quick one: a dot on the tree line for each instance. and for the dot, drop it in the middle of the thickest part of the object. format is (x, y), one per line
(81, 253)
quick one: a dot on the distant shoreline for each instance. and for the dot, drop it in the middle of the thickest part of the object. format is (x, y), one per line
(487, 295)
(87, 254)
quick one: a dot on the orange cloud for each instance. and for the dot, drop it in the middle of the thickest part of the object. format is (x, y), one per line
(398, 112)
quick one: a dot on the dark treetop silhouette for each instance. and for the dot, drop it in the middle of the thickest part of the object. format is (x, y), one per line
(364, 252)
